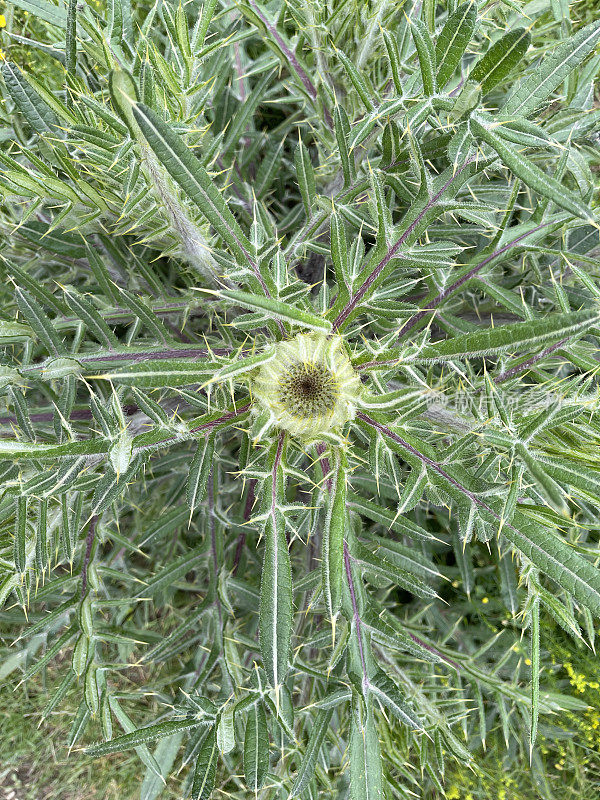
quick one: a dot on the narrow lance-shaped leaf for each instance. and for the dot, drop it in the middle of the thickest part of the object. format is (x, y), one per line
(453, 40)
(332, 556)
(520, 336)
(275, 615)
(42, 9)
(530, 173)
(39, 321)
(199, 471)
(426, 54)
(143, 735)
(552, 70)
(306, 177)
(389, 695)
(186, 170)
(357, 80)
(256, 748)
(366, 779)
(285, 312)
(205, 771)
(535, 670)
(128, 726)
(311, 754)
(37, 113)
(500, 59)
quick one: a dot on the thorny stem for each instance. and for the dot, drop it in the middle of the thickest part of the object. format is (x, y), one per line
(206, 426)
(325, 465)
(355, 614)
(435, 302)
(291, 57)
(143, 355)
(433, 650)
(436, 467)
(370, 279)
(524, 365)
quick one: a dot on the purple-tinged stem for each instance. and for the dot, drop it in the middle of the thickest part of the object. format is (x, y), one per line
(435, 302)
(325, 465)
(356, 298)
(434, 465)
(524, 365)
(433, 650)
(291, 57)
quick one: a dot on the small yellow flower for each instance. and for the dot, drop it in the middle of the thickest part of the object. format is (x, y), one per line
(453, 793)
(2, 21)
(485, 600)
(310, 387)
(2, 55)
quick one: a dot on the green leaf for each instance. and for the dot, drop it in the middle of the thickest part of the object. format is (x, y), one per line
(83, 308)
(519, 337)
(426, 54)
(535, 671)
(141, 736)
(277, 309)
(366, 779)
(529, 173)
(388, 571)
(551, 71)
(386, 629)
(394, 522)
(14, 332)
(37, 113)
(256, 748)
(275, 612)
(198, 475)
(205, 771)
(339, 254)
(165, 754)
(357, 80)
(306, 178)
(311, 754)
(389, 695)
(172, 572)
(154, 374)
(332, 558)
(557, 560)
(54, 14)
(187, 171)
(142, 750)
(501, 58)
(453, 40)
(39, 321)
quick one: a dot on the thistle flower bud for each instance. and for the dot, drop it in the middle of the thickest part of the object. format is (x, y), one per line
(310, 388)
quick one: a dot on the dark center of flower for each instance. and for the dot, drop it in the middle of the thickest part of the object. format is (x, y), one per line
(308, 390)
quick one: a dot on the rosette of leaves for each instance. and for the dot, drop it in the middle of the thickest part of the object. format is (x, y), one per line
(338, 606)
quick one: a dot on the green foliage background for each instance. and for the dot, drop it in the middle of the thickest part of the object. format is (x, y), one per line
(404, 607)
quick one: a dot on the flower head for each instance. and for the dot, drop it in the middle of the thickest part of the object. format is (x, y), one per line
(310, 387)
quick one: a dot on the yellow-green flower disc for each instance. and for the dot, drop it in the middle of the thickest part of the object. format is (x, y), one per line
(310, 387)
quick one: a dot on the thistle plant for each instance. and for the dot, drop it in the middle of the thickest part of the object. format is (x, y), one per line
(299, 449)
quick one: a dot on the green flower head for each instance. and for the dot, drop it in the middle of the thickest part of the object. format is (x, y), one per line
(310, 387)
